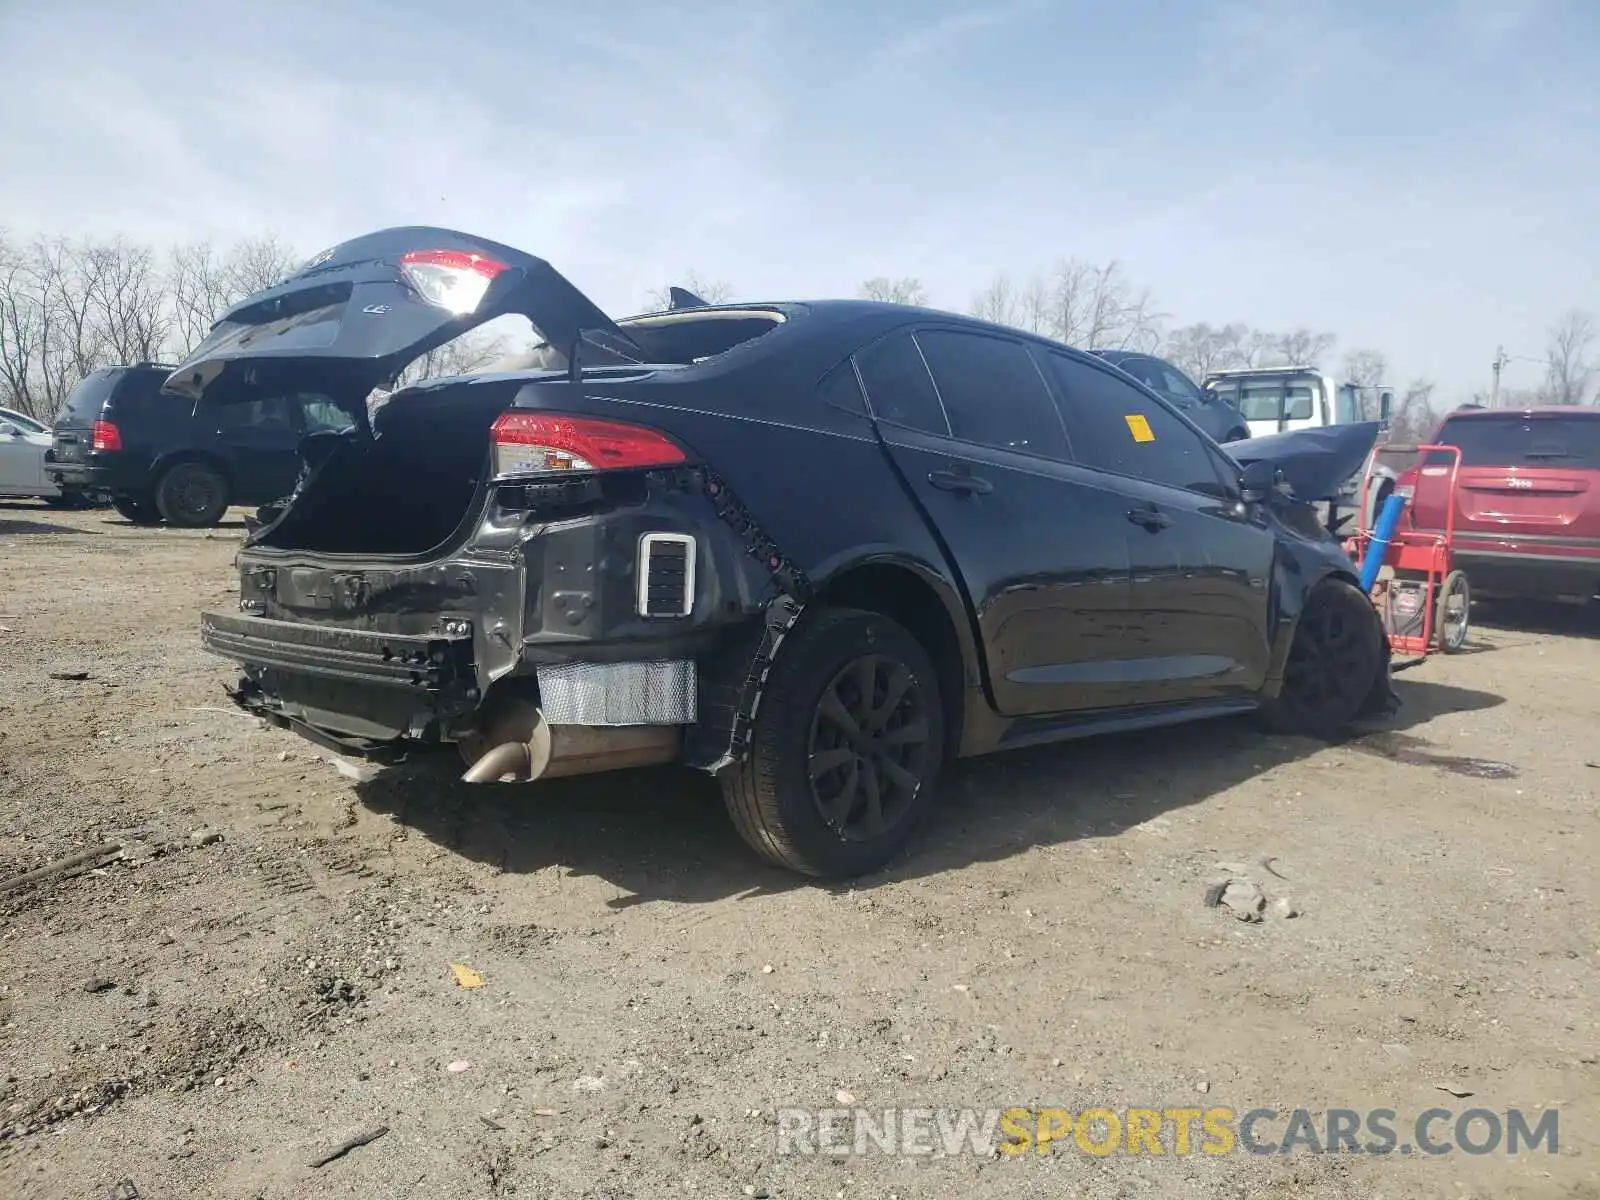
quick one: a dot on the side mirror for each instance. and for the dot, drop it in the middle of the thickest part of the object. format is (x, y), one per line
(1257, 481)
(1385, 405)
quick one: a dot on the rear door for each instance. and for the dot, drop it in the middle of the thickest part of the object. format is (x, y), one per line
(1529, 483)
(1039, 546)
(74, 424)
(260, 443)
(1199, 623)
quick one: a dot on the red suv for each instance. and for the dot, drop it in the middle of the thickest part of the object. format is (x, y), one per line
(1527, 501)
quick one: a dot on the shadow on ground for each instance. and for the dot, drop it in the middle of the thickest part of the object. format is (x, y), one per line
(9, 525)
(662, 834)
(1537, 616)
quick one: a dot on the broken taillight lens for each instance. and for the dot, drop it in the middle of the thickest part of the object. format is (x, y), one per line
(106, 436)
(454, 280)
(539, 443)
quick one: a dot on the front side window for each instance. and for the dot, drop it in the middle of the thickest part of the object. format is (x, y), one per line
(1118, 428)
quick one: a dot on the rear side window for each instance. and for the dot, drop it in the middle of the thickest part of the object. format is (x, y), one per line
(274, 412)
(842, 390)
(1116, 427)
(1514, 440)
(992, 393)
(899, 388)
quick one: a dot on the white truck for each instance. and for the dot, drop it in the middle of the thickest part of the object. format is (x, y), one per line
(1281, 399)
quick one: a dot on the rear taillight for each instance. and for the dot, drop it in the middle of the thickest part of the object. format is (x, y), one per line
(455, 280)
(107, 436)
(538, 443)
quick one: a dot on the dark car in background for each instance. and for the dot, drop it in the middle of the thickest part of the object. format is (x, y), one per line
(1527, 520)
(1223, 421)
(116, 438)
(815, 549)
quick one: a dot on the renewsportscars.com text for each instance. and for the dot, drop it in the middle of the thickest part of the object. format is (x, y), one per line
(1014, 1132)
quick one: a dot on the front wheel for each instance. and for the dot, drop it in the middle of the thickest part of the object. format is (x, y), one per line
(846, 749)
(1333, 664)
(192, 495)
(1452, 619)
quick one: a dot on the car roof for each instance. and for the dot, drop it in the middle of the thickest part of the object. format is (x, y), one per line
(1589, 412)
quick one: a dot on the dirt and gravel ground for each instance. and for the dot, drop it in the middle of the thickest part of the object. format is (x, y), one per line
(207, 1014)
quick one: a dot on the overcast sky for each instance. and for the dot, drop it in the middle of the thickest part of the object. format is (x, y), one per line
(1418, 177)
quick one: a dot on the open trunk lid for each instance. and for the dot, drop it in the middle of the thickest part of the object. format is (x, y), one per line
(355, 316)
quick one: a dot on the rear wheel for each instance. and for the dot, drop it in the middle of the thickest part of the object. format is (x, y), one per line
(1453, 617)
(1333, 664)
(192, 495)
(136, 509)
(846, 749)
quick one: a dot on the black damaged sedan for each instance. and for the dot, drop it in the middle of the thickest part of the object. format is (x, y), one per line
(815, 549)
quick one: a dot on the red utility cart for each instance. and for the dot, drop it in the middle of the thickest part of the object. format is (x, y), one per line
(1424, 600)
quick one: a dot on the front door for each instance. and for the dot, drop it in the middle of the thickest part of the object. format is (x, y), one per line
(1198, 625)
(1039, 546)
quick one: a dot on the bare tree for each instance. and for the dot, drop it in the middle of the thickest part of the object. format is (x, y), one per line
(21, 329)
(1201, 349)
(906, 290)
(1302, 347)
(1367, 369)
(128, 302)
(1414, 415)
(712, 291)
(997, 302)
(472, 351)
(1569, 373)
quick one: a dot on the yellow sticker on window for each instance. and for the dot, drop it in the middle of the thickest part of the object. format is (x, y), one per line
(1140, 427)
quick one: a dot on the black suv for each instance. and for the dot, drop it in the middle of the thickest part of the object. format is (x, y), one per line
(154, 459)
(1220, 419)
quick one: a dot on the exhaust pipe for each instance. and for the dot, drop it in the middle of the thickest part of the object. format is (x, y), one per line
(520, 744)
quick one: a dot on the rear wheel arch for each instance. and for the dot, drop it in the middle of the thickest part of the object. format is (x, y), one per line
(173, 458)
(928, 607)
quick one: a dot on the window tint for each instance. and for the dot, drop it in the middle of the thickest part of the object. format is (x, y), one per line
(88, 398)
(274, 412)
(1116, 427)
(1264, 401)
(841, 389)
(1178, 388)
(992, 392)
(324, 416)
(1514, 440)
(898, 386)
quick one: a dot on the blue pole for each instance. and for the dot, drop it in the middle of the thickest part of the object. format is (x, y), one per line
(1382, 535)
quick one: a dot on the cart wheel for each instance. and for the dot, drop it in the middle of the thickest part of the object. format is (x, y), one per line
(1453, 616)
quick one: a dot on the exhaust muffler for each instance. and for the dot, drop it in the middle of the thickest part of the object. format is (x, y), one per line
(517, 743)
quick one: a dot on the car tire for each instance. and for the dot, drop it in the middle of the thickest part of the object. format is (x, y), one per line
(192, 495)
(136, 510)
(1453, 637)
(803, 797)
(1334, 661)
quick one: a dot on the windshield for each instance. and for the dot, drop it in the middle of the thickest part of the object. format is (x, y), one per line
(1270, 399)
(1517, 440)
(26, 424)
